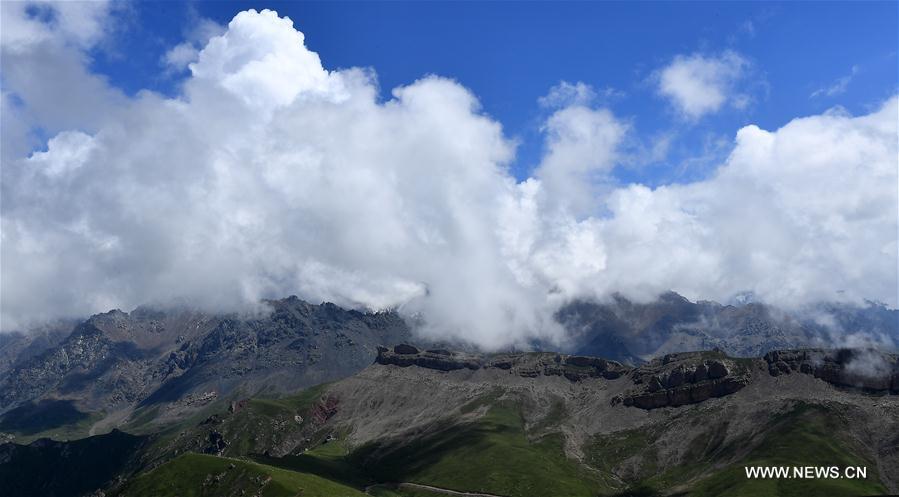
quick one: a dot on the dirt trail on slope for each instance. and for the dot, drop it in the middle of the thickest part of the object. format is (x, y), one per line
(439, 490)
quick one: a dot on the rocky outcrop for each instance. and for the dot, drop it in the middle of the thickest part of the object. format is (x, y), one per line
(577, 368)
(866, 369)
(407, 355)
(527, 365)
(405, 349)
(216, 444)
(324, 409)
(680, 379)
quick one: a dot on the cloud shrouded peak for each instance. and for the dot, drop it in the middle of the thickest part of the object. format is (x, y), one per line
(698, 85)
(271, 175)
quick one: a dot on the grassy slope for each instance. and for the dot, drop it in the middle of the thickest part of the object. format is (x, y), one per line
(491, 455)
(330, 461)
(54, 419)
(394, 491)
(494, 455)
(259, 423)
(198, 475)
(807, 436)
(327, 461)
(73, 431)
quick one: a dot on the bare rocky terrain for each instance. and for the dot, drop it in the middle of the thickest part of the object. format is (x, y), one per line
(181, 360)
(104, 370)
(690, 416)
(312, 390)
(602, 396)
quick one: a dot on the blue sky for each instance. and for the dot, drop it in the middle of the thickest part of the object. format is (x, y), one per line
(511, 54)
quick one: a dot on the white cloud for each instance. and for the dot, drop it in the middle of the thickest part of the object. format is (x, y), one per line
(581, 150)
(794, 215)
(838, 87)
(78, 23)
(179, 57)
(272, 175)
(262, 60)
(566, 94)
(698, 85)
(65, 153)
(45, 78)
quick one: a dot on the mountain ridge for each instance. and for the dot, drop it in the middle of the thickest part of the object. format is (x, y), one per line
(543, 423)
(117, 366)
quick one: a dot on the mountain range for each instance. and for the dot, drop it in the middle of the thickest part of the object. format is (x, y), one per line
(669, 397)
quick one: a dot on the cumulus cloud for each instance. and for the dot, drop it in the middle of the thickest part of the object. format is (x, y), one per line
(25, 24)
(697, 84)
(793, 215)
(581, 149)
(272, 175)
(46, 83)
(183, 54)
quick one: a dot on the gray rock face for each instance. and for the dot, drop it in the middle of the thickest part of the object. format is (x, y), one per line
(856, 368)
(406, 355)
(679, 379)
(530, 365)
(18, 347)
(405, 349)
(577, 368)
(117, 359)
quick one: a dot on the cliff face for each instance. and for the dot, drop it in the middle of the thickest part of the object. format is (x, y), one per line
(679, 379)
(183, 359)
(673, 379)
(527, 365)
(855, 368)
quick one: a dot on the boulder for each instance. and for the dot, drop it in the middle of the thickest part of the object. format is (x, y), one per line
(676, 378)
(405, 349)
(701, 373)
(717, 369)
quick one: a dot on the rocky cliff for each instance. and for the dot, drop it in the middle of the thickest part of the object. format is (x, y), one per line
(182, 359)
(686, 378)
(866, 369)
